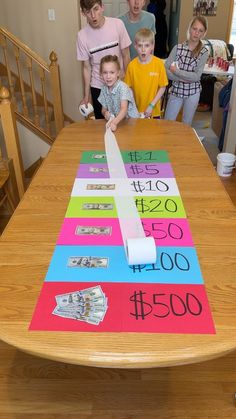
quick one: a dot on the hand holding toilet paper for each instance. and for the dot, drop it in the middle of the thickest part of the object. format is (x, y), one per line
(86, 110)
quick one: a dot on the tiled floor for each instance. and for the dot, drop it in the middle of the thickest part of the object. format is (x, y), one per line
(202, 125)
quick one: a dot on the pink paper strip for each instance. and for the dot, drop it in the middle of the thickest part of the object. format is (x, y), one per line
(67, 234)
(151, 308)
(166, 232)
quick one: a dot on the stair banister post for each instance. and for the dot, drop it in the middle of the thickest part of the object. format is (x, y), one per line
(56, 92)
(11, 137)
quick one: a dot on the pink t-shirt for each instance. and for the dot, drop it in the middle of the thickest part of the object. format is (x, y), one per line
(93, 44)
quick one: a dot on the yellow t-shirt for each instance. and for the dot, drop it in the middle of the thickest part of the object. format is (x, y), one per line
(145, 81)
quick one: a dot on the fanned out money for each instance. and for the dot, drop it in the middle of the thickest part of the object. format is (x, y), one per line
(88, 305)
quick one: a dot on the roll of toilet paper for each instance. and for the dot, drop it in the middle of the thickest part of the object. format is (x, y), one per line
(141, 251)
(85, 111)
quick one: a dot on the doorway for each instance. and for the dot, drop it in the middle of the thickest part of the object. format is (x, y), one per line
(174, 15)
(115, 8)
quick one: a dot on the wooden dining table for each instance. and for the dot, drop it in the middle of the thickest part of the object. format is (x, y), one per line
(28, 242)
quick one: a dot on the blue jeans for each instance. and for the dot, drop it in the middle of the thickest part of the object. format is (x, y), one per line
(175, 103)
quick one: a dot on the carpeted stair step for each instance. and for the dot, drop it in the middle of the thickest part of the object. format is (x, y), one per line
(29, 104)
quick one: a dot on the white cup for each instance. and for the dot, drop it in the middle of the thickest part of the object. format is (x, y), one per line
(225, 164)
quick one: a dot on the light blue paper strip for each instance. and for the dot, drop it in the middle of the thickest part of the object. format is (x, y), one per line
(176, 265)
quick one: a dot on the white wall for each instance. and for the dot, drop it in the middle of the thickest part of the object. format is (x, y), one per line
(217, 25)
(32, 147)
(28, 20)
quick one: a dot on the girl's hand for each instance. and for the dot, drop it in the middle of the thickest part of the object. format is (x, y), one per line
(84, 101)
(107, 115)
(111, 124)
(174, 67)
(148, 112)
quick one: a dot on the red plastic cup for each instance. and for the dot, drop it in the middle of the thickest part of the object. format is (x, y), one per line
(226, 65)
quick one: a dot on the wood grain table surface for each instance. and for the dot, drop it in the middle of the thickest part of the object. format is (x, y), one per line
(28, 242)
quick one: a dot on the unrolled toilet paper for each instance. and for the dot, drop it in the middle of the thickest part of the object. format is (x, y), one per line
(139, 248)
(141, 251)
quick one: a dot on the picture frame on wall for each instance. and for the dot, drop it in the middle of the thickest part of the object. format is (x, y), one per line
(205, 8)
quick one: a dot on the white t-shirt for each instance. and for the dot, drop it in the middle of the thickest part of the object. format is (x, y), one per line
(95, 43)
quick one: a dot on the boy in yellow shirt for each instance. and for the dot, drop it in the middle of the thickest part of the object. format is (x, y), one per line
(146, 75)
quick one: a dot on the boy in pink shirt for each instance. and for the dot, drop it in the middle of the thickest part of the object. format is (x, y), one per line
(101, 36)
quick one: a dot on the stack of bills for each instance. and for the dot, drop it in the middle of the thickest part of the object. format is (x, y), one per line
(87, 305)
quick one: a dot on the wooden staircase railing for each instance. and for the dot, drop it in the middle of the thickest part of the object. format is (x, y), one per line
(34, 86)
(11, 138)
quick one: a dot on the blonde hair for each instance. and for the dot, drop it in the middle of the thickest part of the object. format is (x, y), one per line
(110, 59)
(204, 23)
(144, 34)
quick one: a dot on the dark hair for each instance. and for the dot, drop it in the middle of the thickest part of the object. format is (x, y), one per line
(204, 23)
(88, 4)
(109, 59)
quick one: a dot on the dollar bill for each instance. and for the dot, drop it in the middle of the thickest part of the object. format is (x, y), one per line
(100, 187)
(98, 169)
(97, 206)
(85, 300)
(71, 310)
(93, 230)
(92, 292)
(96, 311)
(99, 156)
(87, 262)
(61, 313)
(91, 320)
(93, 312)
